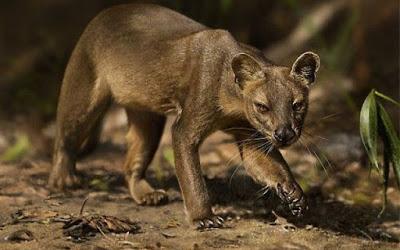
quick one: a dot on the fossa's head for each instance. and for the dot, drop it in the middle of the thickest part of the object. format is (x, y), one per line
(275, 98)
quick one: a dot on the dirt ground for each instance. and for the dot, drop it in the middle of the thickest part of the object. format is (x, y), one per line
(344, 196)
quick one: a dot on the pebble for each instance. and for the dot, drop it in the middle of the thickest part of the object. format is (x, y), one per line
(20, 235)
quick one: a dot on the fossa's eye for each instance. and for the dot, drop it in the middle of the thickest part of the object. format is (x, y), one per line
(261, 108)
(298, 106)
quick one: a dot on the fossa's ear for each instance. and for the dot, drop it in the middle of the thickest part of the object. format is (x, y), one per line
(246, 69)
(306, 67)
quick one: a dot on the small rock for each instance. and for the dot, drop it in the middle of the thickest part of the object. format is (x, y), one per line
(20, 235)
(309, 227)
(289, 227)
(168, 235)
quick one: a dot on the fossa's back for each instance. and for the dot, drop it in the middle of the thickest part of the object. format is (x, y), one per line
(145, 54)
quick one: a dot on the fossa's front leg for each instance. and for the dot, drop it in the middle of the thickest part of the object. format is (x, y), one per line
(267, 166)
(187, 134)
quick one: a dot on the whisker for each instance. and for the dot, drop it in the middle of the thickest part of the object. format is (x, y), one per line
(262, 190)
(268, 147)
(266, 191)
(323, 118)
(230, 160)
(330, 116)
(316, 156)
(239, 128)
(233, 174)
(250, 159)
(254, 140)
(311, 135)
(321, 153)
(320, 162)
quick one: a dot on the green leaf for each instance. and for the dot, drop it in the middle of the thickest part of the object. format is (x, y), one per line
(390, 139)
(369, 128)
(387, 98)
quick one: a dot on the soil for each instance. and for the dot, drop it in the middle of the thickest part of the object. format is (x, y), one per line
(345, 198)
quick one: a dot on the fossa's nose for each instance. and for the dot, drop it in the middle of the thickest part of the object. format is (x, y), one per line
(284, 134)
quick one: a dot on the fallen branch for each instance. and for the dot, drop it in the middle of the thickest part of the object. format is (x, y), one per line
(312, 23)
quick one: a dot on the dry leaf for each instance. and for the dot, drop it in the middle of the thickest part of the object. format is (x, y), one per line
(86, 226)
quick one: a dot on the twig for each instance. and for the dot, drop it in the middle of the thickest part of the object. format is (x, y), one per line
(105, 236)
(365, 234)
(83, 206)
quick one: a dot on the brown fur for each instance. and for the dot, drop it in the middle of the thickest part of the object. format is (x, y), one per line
(152, 61)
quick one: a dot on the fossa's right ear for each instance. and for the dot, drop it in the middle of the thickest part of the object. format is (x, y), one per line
(246, 69)
(306, 67)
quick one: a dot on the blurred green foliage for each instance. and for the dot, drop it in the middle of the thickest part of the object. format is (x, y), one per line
(339, 55)
(168, 154)
(17, 150)
(100, 184)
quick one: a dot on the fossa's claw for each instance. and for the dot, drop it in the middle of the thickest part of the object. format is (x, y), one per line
(211, 222)
(294, 198)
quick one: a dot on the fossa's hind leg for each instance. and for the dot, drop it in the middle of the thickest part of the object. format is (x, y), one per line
(92, 140)
(143, 138)
(82, 102)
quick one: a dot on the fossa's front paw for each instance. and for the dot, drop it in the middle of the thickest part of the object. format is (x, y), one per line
(209, 222)
(144, 194)
(294, 197)
(155, 198)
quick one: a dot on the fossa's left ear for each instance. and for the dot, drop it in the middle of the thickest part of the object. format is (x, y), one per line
(306, 67)
(246, 69)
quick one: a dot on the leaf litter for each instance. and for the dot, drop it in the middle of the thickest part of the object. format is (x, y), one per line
(81, 227)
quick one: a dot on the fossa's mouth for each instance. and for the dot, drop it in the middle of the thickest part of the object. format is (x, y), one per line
(276, 144)
(285, 144)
